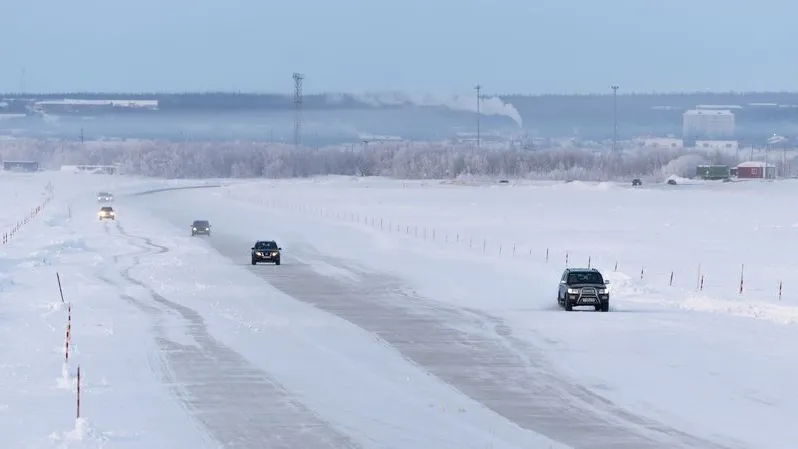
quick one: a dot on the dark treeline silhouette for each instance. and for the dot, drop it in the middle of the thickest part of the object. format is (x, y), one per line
(563, 112)
(203, 101)
(653, 108)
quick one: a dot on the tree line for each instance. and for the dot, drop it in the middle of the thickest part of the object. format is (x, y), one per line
(396, 160)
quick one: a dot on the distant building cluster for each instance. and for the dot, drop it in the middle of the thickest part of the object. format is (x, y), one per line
(72, 106)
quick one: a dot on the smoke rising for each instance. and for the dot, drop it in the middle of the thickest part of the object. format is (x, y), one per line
(459, 102)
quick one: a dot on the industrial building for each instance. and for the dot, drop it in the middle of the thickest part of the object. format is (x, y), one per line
(732, 145)
(21, 166)
(660, 142)
(708, 124)
(74, 106)
(713, 172)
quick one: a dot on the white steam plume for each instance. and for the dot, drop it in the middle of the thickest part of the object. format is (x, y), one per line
(488, 106)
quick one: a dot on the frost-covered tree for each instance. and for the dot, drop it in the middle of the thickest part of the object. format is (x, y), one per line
(408, 161)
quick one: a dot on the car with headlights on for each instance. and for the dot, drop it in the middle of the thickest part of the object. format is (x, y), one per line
(201, 227)
(266, 251)
(107, 213)
(583, 287)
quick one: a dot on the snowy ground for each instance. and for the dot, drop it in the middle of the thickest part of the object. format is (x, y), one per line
(702, 361)
(405, 315)
(179, 347)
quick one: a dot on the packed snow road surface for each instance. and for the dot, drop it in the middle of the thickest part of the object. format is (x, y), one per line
(254, 366)
(473, 352)
(239, 404)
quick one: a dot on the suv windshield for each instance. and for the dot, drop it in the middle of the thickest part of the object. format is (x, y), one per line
(585, 277)
(107, 209)
(265, 245)
(201, 223)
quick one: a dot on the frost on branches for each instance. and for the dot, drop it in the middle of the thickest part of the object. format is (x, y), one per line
(397, 160)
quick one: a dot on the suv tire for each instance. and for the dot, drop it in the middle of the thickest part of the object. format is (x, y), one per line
(568, 305)
(253, 262)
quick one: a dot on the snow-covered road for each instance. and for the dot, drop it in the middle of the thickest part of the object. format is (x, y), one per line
(473, 352)
(366, 338)
(256, 366)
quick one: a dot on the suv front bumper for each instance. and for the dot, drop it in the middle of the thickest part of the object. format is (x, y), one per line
(266, 257)
(587, 298)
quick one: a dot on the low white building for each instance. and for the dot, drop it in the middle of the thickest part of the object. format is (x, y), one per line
(661, 142)
(731, 145)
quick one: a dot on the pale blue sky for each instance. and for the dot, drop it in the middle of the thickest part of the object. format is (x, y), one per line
(509, 46)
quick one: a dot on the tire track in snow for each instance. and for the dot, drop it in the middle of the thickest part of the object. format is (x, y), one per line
(506, 374)
(238, 404)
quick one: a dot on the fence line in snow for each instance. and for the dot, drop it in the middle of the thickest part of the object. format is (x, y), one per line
(27, 218)
(486, 246)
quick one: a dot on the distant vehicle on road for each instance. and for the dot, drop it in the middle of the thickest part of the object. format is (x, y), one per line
(200, 227)
(583, 287)
(104, 197)
(107, 213)
(266, 251)
(637, 182)
(672, 182)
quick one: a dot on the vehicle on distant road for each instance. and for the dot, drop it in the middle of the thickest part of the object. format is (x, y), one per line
(583, 287)
(107, 213)
(104, 196)
(637, 182)
(266, 251)
(200, 227)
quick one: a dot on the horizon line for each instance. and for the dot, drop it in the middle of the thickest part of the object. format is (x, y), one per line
(378, 92)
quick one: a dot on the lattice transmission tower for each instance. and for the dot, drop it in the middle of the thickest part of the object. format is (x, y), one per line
(298, 77)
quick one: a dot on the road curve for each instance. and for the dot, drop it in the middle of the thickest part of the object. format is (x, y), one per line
(239, 405)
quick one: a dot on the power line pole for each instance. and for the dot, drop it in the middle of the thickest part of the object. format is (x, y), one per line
(479, 100)
(298, 77)
(615, 118)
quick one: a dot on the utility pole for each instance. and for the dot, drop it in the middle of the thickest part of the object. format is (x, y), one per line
(615, 118)
(298, 77)
(479, 100)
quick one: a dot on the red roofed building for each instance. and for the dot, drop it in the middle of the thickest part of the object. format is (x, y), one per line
(756, 170)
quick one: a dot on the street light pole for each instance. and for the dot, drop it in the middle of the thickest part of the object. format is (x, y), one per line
(478, 89)
(615, 118)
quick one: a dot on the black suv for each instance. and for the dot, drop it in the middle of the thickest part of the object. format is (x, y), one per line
(583, 287)
(266, 251)
(200, 227)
